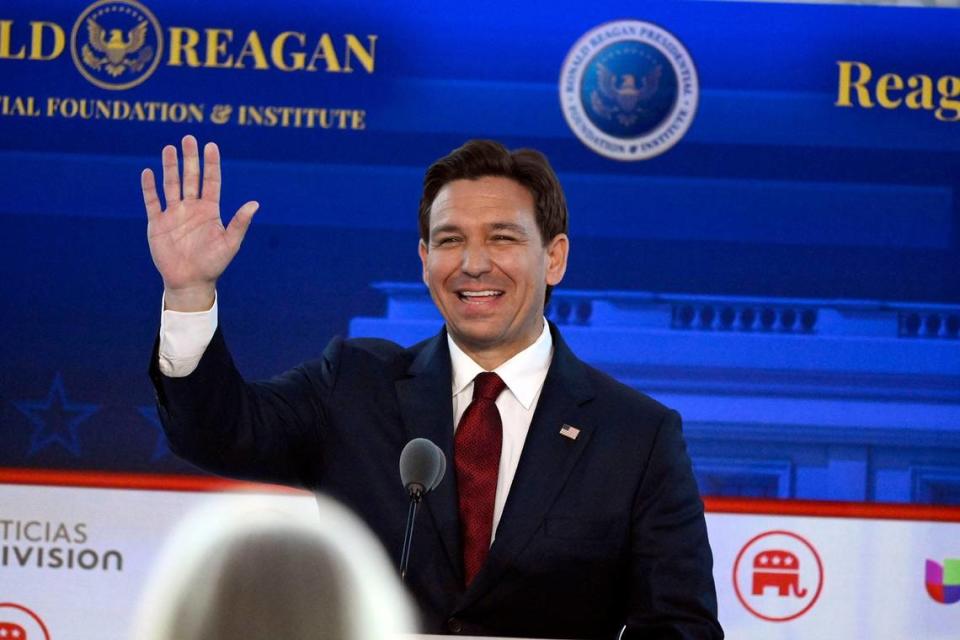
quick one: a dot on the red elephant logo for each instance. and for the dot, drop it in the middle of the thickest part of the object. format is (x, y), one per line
(12, 631)
(19, 623)
(777, 568)
(778, 575)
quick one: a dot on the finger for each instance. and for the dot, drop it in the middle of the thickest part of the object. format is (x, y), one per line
(240, 223)
(191, 168)
(211, 173)
(171, 176)
(150, 199)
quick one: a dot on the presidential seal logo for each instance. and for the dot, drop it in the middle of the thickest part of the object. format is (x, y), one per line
(629, 90)
(116, 44)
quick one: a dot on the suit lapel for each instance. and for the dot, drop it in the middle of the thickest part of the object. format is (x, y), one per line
(546, 461)
(426, 406)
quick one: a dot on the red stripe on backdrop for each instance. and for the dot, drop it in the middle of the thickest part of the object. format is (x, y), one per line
(158, 482)
(830, 509)
(142, 481)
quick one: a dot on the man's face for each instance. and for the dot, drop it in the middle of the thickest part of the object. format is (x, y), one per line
(487, 268)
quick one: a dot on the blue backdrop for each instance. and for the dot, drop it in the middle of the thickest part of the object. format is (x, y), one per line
(785, 276)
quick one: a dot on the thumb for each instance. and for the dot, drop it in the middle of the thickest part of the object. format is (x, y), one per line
(238, 226)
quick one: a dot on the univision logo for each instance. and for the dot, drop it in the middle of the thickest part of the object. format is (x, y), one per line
(943, 581)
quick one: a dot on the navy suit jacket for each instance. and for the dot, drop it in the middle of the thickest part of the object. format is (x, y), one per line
(598, 532)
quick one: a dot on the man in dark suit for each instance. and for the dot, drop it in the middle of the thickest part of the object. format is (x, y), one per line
(572, 510)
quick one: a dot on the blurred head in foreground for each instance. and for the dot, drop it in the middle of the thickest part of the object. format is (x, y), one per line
(256, 569)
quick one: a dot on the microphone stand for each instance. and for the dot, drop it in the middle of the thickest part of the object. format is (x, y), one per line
(416, 494)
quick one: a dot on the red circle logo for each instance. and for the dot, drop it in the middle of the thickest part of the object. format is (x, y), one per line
(19, 623)
(778, 576)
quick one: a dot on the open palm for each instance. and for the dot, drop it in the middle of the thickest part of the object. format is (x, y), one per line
(188, 242)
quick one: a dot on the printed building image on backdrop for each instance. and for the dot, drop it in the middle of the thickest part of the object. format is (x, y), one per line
(765, 236)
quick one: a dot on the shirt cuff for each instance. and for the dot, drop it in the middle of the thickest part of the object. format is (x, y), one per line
(184, 337)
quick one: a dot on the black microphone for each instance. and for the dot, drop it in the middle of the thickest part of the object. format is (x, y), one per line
(422, 465)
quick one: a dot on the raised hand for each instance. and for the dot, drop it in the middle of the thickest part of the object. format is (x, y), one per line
(188, 242)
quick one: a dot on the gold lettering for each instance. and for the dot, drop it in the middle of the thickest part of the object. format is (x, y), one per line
(276, 51)
(325, 51)
(249, 113)
(889, 88)
(178, 112)
(6, 40)
(98, 109)
(254, 48)
(922, 97)
(270, 116)
(217, 47)
(948, 87)
(846, 83)
(359, 119)
(365, 56)
(36, 40)
(886, 83)
(18, 106)
(300, 117)
(183, 42)
(287, 50)
(122, 109)
(68, 108)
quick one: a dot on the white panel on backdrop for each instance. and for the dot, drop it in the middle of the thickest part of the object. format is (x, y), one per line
(77, 559)
(852, 579)
(73, 562)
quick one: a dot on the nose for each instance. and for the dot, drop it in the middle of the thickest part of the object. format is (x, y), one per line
(475, 260)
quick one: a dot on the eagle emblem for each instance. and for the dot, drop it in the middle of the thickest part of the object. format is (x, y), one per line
(620, 97)
(119, 53)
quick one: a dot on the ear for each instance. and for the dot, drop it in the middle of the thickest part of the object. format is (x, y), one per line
(423, 251)
(557, 250)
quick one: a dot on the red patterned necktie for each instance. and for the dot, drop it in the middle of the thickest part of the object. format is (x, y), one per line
(477, 457)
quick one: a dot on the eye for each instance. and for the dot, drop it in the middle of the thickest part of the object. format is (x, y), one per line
(503, 237)
(446, 241)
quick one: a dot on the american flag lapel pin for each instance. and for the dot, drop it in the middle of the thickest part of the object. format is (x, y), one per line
(569, 431)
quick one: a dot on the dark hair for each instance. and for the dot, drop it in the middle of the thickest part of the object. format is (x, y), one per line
(481, 158)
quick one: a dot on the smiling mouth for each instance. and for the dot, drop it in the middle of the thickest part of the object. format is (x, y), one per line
(479, 297)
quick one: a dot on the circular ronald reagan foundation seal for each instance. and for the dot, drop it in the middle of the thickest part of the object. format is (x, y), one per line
(629, 90)
(116, 44)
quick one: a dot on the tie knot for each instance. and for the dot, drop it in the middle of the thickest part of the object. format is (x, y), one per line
(487, 386)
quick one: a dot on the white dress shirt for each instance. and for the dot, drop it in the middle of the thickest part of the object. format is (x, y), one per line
(523, 374)
(185, 336)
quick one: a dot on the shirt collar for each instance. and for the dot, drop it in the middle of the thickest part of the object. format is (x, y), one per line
(523, 374)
